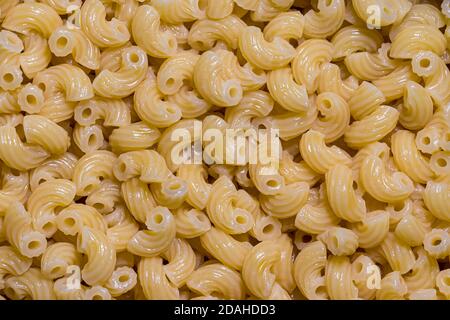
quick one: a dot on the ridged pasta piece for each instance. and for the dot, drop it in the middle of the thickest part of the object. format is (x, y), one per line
(133, 137)
(392, 287)
(205, 34)
(161, 230)
(32, 16)
(12, 263)
(148, 35)
(266, 10)
(138, 198)
(340, 241)
(170, 193)
(98, 29)
(382, 184)
(198, 188)
(106, 197)
(229, 209)
(263, 54)
(363, 270)
(179, 11)
(287, 202)
(338, 279)
(20, 233)
(191, 223)
(440, 163)
(371, 128)
(326, 21)
(30, 285)
(36, 56)
(63, 6)
(296, 171)
(97, 293)
(65, 41)
(154, 281)
(434, 136)
(225, 248)
(417, 107)
(190, 102)
(372, 230)
(423, 273)
(307, 63)
(57, 258)
(442, 282)
(397, 253)
(7, 5)
(100, 253)
(408, 158)
(88, 138)
(437, 243)
(287, 25)
(182, 262)
(353, 39)
(113, 112)
(15, 187)
(30, 99)
(121, 228)
(389, 11)
(330, 81)
(334, 116)
(318, 155)
(308, 267)
(72, 219)
(122, 280)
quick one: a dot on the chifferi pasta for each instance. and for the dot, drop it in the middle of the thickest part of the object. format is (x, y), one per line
(224, 149)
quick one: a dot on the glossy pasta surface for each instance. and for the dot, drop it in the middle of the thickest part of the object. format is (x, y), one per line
(225, 149)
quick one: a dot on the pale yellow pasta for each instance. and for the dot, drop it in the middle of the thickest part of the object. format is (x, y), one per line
(12, 263)
(353, 39)
(296, 171)
(161, 230)
(101, 256)
(97, 293)
(170, 193)
(7, 5)
(372, 229)
(30, 99)
(266, 10)
(287, 202)
(384, 185)
(417, 108)
(36, 56)
(326, 21)
(423, 273)
(20, 233)
(65, 41)
(63, 6)
(340, 241)
(389, 11)
(179, 11)
(225, 248)
(442, 282)
(148, 35)
(330, 81)
(106, 197)
(338, 279)
(363, 269)
(308, 61)
(190, 102)
(263, 54)
(57, 258)
(15, 187)
(436, 198)
(398, 254)
(133, 137)
(88, 138)
(198, 188)
(434, 136)
(138, 198)
(154, 282)
(121, 228)
(287, 25)
(122, 280)
(308, 267)
(318, 155)
(72, 219)
(30, 285)
(101, 32)
(217, 279)
(392, 287)
(113, 112)
(439, 163)
(315, 218)
(265, 227)
(191, 223)
(437, 243)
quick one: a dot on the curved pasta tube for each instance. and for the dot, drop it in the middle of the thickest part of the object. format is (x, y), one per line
(36, 56)
(353, 39)
(217, 86)
(121, 228)
(346, 203)
(7, 5)
(436, 199)
(381, 122)
(63, 7)
(326, 21)
(389, 11)
(334, 116)
(170, 193)
(20, 233)
(157, 239)
(57, 257)
(12, 263)
(198, 188)
(432, 68)
(393, 287)
(296, 171)
(417, 108)
(133, 137)
(154, 282)
(148, 165)
(181, 262)
(437, 243)
(205, 34)
(330, 80)
(287, 202)
(284, 90)
(101, 256)
(190, 102)
(122, 280)
(30, 285)
(382, 185)
(228, 209)
(113, 112)
(399, 255)
(44, 201)
(30, 99)
(101, 32)
(91, 169)
(65, 41)
(191, 223)
(123, 82)
(14, 188)
(316, 218)
(318, 155)
(225, 248)
(307, 64)
(371, 66)
(175, 70)
(362, 274)
(67, 78)
(308, 267)
(286, 25)
(72, 219)
(60, 167)
(148, 35)
(441, 282)
(106, 197)
(338, 279)
(266, 10)
(151, 107)
(18, 155)
(179, 11)
(32, 16)
(217, 279)
(372, 230)
(138, 198)
(424, 271)
(263, 54)
(88, 139)
(408, 158)
(340, 241)
(409, 41)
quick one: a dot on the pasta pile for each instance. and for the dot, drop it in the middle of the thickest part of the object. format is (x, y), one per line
(92, 92)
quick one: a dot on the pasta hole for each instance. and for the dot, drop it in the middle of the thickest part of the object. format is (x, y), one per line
(57, 270)
(70, 222)
(426, 141)
(124, 278)
(241, 220)
(174, 186)
(122, 167)
(170, 82)
(321, 291)
(42, 86)
(201, 218)
(89, 188)
(33, 245)
(92, 140)
(47, 227)
(268, 228)
(293, 42)
(15, 172)
(97, 297)
(233, 92)
(99, 206)
(447, 281)
(8, 77)
(425, 63)
(158, 218)
(441, 162)
(61, 43)
(359, 267)
(272, 183)
(31, 99)
(436, 242)
(306, 238)
(87, 113)
(134, 58)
